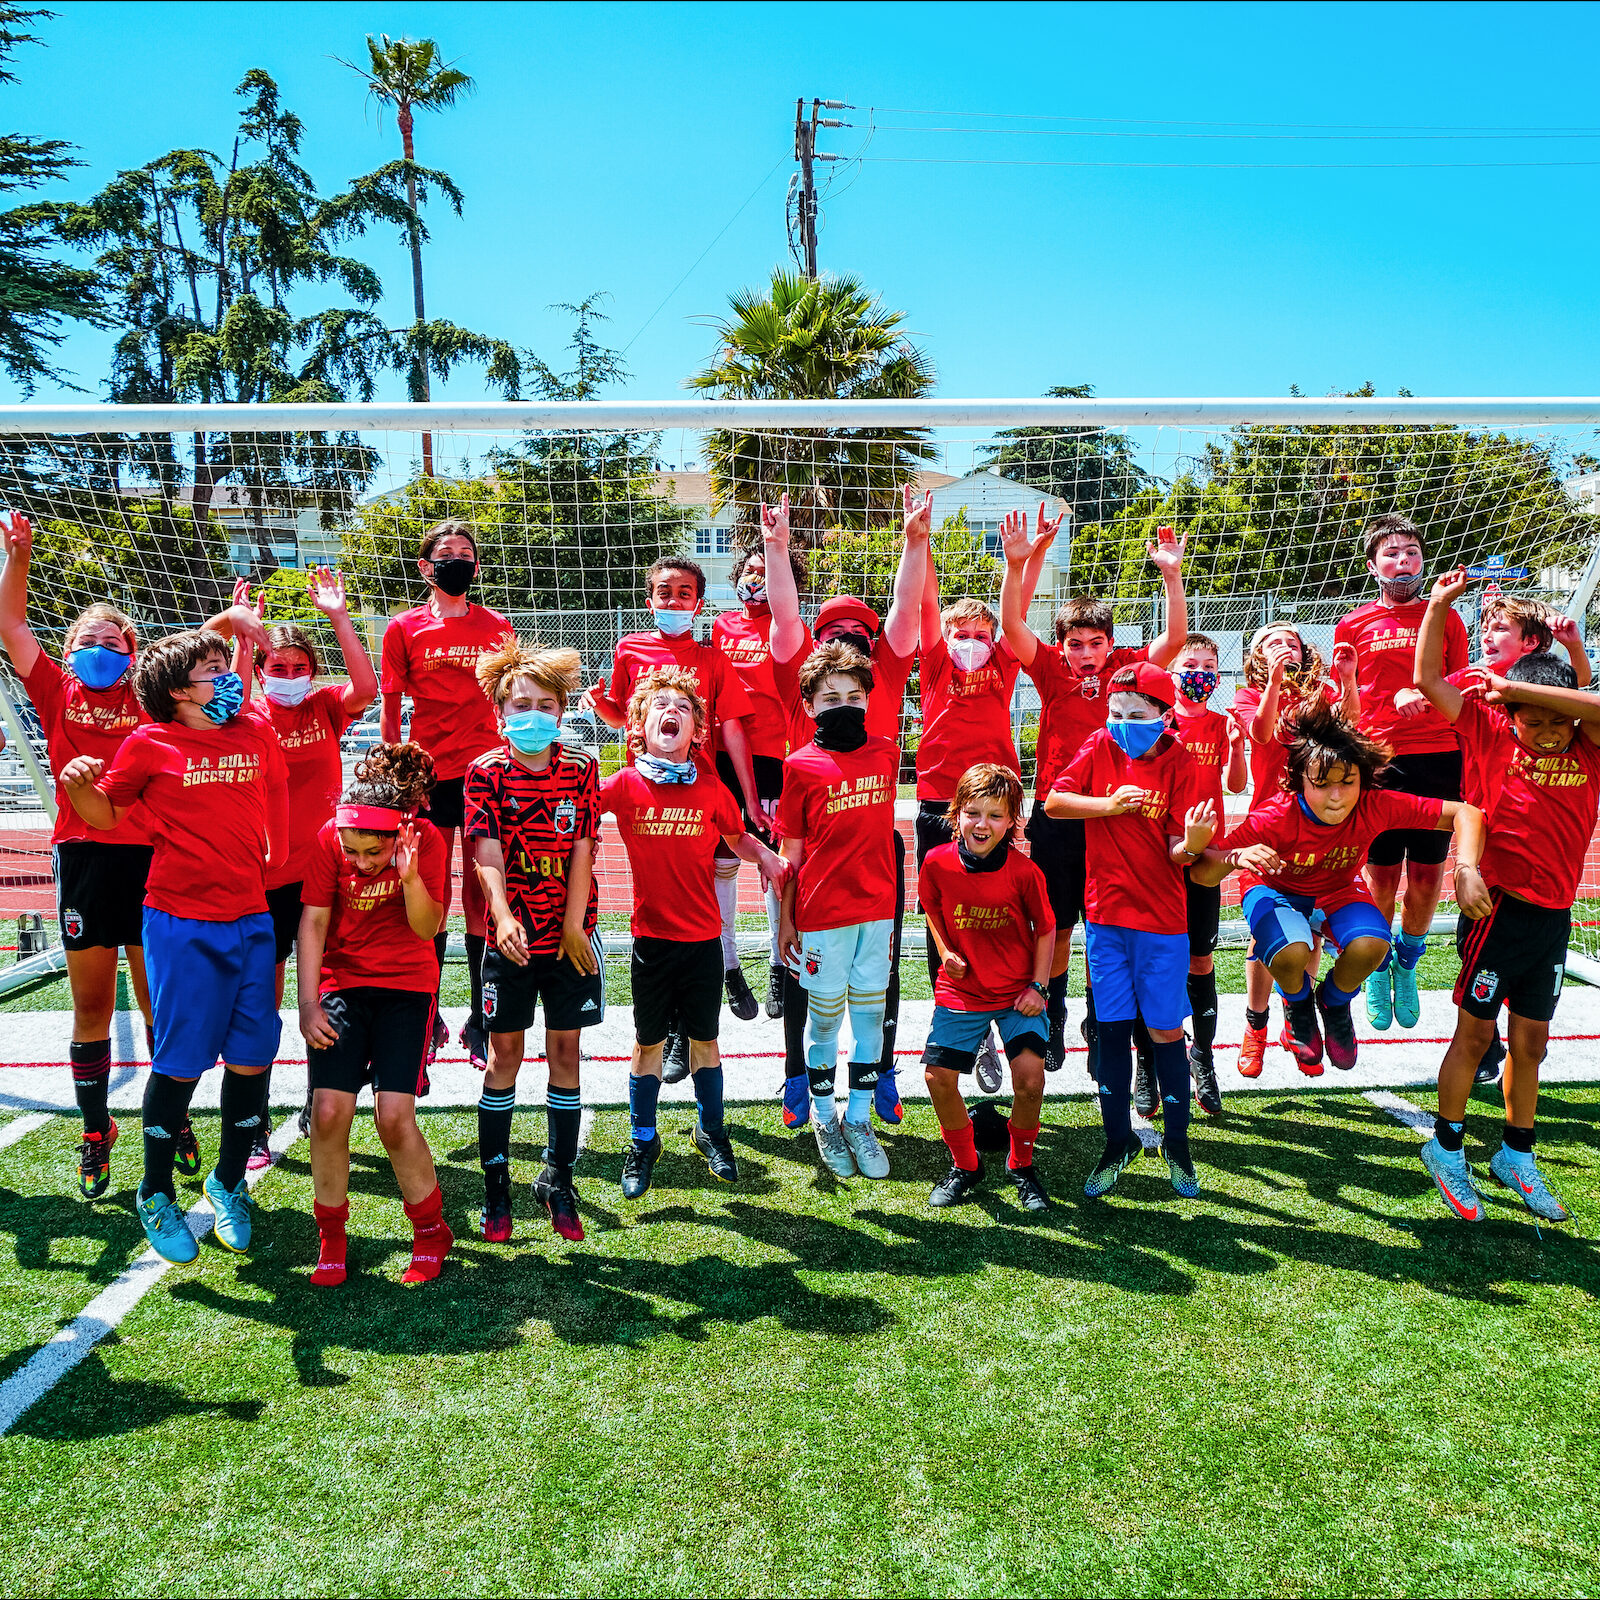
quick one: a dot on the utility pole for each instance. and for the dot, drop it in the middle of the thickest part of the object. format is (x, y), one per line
(807, 154)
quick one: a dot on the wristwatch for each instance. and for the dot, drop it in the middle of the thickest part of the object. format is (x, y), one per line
(1035, 984)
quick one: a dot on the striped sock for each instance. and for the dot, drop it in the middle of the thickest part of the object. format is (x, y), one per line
(563, 1113)
(91, 1079)
(495, 1110)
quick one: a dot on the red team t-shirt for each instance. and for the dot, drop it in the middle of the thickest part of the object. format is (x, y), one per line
(537, 818)
(85, 722)
(966, 718)
(434, 660)
(841, 802)
(1132, 881)
(1324, 862)
(671, 832)
(890, 674)
(1205, 737)
(1540, 809)
(992, 920)
(1268, 757)
(208, 796)
(718, 684)
(309, 736)
(1385, 640)
(370, 944)
(745, 641)
(1072, 708)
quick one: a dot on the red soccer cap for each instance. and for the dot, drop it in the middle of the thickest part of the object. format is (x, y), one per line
(846, 608)
(1143, 677)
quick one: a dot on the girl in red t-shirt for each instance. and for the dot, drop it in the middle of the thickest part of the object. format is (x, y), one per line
(374, 899)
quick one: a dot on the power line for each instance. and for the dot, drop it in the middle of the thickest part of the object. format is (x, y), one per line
(1158, 122)
(1268, 138)
(1228, 166)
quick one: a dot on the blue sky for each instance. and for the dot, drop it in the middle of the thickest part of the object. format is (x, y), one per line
(609, 146)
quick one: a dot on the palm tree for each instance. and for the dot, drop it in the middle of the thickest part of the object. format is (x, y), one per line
(409, 75)
(824, 339)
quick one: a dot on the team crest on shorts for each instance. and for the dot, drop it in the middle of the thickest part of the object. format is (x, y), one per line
(72, 924)
(566, 817)
(490, 1000)
(812, 964)
(1484, 985)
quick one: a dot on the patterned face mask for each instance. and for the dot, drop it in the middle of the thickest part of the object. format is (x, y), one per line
(1197, 684)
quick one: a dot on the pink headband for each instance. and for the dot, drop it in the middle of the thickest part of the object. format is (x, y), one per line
(369, 819)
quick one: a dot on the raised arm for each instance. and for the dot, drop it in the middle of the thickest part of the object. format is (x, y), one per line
(1428, 671)
(326, 593)
(1565, 632)
(16, 538)
(905, 609)
(80, 778)
(1021, 553)
(1167, 555)
(788, 636)
(1580, 704)
(931, 628)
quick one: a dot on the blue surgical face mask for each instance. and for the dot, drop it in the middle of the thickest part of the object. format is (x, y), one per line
(1136, 739)
(658, 770)
(532, 731)
(227, 695)
(673, 623)
(97, 667)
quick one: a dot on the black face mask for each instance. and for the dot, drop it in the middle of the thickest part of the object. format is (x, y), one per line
(992, 862)
(842, 728)
(856, 641)
(454, 576)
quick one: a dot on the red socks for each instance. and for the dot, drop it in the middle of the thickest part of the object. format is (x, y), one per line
(431, 1239)
(1022, 1143)
(330, 1268)
(962, 1150)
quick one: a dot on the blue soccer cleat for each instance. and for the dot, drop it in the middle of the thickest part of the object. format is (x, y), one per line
(232, 1208)
(796, 1102)
(1379, 989)
(166, 1230)
(886, 1097)
(1407, 1002)
(1453, 1178)
(1516, 1170)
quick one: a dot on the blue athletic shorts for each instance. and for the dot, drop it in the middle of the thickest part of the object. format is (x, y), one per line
(1277, 919)
(1135, 973)
(956, 1036)
(213, 990)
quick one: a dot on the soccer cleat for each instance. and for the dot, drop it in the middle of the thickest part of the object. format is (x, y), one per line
(494, 1221)
(1407, 1002)
(831, 1147)
(1109, 1167)
(1204, 1071)
(1517, 1171)
(717, 1148)
(797, 1102)
(675, 1058)
(1338, 1032)
(988, 1066)
(94, 1162)
(1183, 1178)
(886, 1097)
(475, 1041)
(232, 1212)
(1146, 1098)
(1253, 1052)
(869, 1156)
(260, 1156)
(305, 1115)
(553, 1190)
(774, 992)
(741, 999)
(428, 1250)
(1488, 1069)
(166, 1230)
(1029, 1190)
(1055, 1051)
(440, 1038)
(955, 1185)
(639, 1165)
(186, 1151)
(1301, 1036)
(1378, 991)
(1449, 1170)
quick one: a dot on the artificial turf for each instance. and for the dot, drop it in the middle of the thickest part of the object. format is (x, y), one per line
(1311, 1379)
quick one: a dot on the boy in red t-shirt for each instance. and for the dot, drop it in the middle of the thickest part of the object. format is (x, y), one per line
(837, 823)
(1148, 818)
(1537, 756)
(533, 828)
(374, 887)
(215, 800)
(990, 919)
(1424, 756)
(431, 654)
(672, 815)
(1071, 679)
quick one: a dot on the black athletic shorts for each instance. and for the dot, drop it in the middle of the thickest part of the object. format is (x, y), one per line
(1059, 848)
(1435, 775)
(100, 893)
(283, 906)
(571, 999)
(768, 771)
(676, 984)
(447, 805)
(933, 829)
(383, 1040)
(1516, 957)
(1205, 915)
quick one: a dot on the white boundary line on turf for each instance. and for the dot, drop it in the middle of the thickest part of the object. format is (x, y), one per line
(21, 1127)
(32, 1381)
(1420, 1122)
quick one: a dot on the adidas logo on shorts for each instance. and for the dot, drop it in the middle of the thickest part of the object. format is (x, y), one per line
(588, 1005)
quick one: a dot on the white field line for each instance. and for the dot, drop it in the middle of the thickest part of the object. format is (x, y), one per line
(1420, 1122)
(31, 1382)
(21, 1127)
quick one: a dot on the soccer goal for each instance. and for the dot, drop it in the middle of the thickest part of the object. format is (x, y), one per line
(161, 510)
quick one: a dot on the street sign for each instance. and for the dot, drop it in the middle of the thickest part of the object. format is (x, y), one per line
(1494, 569)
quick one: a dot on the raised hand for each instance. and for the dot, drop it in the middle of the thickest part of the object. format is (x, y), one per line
(326, 592)
(1014, 538)
(1048, 527)
(1199, 826)
(16, 536)
(775, 523)
(1344, 663)
(1564, 631)
(1450, 586)
(407, 852)
(919, 516)
(1166, 553)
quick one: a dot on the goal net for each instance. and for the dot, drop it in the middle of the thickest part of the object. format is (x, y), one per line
(161, 511)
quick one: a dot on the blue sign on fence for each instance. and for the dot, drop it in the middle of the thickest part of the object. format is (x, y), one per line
(1494, 569)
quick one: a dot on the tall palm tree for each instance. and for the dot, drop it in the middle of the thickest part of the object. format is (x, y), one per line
(823, 339)
(410, 75)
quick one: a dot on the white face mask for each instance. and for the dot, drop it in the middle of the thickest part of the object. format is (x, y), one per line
(970, 654)
(286, 691)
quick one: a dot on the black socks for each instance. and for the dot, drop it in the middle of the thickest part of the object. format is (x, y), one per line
(475, 948)
(1172, 1073)
(1255, 1019)
(495, 1110)
(1449, 1134)
(166, 1109)
(244, 1112)
(796, 1007)
(1203, 1008)
(564, 1116)
(91, 1078)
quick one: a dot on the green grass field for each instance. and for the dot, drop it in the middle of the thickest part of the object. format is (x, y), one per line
(1310, 1380)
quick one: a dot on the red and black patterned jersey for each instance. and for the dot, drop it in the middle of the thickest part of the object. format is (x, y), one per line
(537, 817)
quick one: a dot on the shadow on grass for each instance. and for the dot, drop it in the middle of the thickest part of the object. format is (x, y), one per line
(103, 1406)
